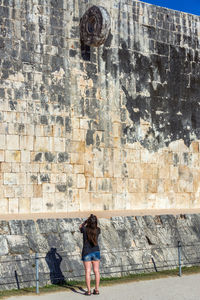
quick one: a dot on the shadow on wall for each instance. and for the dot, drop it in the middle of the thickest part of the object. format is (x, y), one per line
(53, 260)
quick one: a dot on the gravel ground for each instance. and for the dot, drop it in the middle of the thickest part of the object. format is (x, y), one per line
(171, 288)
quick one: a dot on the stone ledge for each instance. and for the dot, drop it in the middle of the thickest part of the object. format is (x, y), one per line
(99, 214)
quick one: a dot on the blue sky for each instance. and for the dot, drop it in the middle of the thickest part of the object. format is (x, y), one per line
(189, 6)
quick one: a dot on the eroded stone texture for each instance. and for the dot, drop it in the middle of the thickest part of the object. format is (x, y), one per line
(113, 127)
(127, 245)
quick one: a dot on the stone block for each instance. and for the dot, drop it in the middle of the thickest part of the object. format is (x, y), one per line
(135, 170)
(163, 171)
(174, 174)
(12, 156)
(116, 142)
(121, 185)
(26, 142)
(137, 201)
(19, 191)
(117, 170)
(49, 202)
(78, 146)
(73, 203)
(28, 190)
(15, 167)
(24, 167)
(135, 185)
(57, 144)
(184, 186)
(4, 246)
(78, 169)
(9, 191)
(149, 185)
(38, 243)
(25, 156)
(84, 199)
(80, 181)
(37, 190)
(101, 201)
(68, 242)
(117, 155)
(120, 201)
(60, 202)
(34, 167)
(47, 226)
(185, 173)
(89, 168)
(13, 205)
(75, 122)
(2, 142)
(149, 171)
(2, 155)
(77, 158)
(16, 227)
(161, 186)
(104, 185)
(22, 178)
(148, 157)
(78, 135)
(84, 124)
(45, 187)
(4, 127)
(4, 228)
(182, 200)
(39, 130)
(116, 130)
(36, 205)
(5, 167)
(11, 178)
(91, 184)
(42, 144)
(4, 204)
(133, 156)
(18, 244)
(195, 147)
(12, 142)
(24, 205)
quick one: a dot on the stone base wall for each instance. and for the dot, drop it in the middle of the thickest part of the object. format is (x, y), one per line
(128, 245)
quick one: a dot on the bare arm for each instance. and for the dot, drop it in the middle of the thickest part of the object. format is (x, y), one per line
(83, 224)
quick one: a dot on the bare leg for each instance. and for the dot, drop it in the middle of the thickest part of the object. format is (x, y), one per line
(87, 265)
(95, 265)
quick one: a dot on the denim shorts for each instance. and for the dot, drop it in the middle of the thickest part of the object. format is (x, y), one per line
(92, 256)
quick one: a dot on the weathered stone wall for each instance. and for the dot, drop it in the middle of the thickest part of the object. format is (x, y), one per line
(116, 130)
(127, 244)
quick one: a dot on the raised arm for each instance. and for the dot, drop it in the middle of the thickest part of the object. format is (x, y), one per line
(83, 224)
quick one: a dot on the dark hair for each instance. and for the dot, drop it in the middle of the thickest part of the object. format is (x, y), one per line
(91, 229)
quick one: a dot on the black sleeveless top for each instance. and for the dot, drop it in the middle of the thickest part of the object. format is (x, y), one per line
(87, 246)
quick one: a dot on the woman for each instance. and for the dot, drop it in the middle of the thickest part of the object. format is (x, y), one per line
(91, 252)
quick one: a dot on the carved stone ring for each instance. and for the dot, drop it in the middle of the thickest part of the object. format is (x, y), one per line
(95, 26)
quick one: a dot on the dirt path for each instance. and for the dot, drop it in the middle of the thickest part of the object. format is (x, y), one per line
(171, 288)
(100, 214)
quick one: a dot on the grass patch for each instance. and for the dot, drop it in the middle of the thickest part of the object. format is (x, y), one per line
(80, 285)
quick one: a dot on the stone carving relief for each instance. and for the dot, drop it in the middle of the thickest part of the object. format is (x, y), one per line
(95, 26)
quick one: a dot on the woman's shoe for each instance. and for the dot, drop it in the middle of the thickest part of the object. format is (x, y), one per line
(88, 293)
(95, 292)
